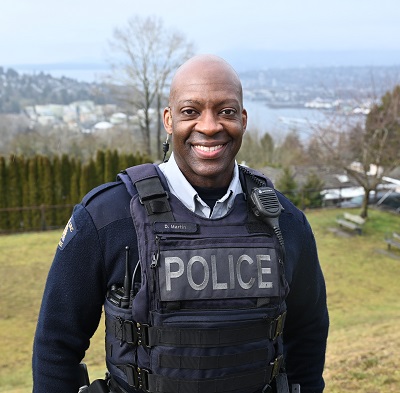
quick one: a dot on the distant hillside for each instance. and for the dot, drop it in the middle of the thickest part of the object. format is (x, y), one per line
(281, 87)
(19, 90)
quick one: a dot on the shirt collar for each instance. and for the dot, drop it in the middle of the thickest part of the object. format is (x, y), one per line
(182, 189)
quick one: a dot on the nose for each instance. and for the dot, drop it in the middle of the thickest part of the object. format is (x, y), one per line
(208, 123)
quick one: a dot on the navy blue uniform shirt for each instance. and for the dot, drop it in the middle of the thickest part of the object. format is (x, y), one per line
(91, 257)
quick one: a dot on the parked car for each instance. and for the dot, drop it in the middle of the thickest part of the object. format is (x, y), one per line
(388, 200)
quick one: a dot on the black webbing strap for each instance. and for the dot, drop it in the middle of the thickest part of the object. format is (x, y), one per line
(202, 338)
(149, 336)
(213, 362)
(146, 381)
(235, 383)
(155, 199)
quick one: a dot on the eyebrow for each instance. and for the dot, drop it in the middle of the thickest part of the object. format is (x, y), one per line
(188, 102)
(223, 102)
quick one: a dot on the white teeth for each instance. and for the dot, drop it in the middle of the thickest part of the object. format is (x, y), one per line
(208, 149)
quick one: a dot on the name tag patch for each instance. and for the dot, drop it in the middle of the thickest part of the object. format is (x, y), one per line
(175, 227)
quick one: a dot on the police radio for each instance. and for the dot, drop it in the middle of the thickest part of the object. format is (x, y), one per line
(266, 206)
(120, 296)
(123, 296)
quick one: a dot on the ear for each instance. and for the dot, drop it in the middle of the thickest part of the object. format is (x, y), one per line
(167, 120)
(244, 119)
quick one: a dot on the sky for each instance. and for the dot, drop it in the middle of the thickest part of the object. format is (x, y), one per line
(43, 32)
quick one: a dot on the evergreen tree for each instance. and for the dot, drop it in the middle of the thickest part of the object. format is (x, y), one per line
(34, 192)
(59, 217)
(268, 146)
(255, 151)
(288, 186)
(115, 165)
(88, 178)
(124, 161)
(108, 166)
(100, 166)
(292, 151)
(74, 195)
(15, 193)
(27, 212)
(4, 223)
(66, 185)
(311, 191)
(47, 196)
(133, 159)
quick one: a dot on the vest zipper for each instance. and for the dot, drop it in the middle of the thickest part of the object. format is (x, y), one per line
(155, 256)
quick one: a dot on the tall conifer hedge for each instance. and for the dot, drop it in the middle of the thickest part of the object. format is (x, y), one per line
(39, 192)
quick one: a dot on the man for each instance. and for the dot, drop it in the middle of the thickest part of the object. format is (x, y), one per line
(206, 309)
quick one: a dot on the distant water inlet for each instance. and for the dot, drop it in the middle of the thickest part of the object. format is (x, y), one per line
(278, 122)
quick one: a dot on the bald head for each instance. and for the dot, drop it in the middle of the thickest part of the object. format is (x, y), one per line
(206, 120)
(202, 68)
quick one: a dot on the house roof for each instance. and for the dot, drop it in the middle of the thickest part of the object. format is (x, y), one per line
(330, 177)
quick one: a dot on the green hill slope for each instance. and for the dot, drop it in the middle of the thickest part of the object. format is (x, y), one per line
(363, 294)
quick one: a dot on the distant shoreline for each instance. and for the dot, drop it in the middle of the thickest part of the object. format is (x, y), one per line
(85, 74)
(276, 118)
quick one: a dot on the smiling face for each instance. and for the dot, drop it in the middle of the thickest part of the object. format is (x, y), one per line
(206, 120)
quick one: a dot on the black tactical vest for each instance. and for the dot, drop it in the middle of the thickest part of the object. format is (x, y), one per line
(209, 313)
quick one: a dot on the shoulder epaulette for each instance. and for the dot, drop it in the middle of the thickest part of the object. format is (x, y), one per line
(97, 191)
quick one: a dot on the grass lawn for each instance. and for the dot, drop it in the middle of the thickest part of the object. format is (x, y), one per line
(363, 296)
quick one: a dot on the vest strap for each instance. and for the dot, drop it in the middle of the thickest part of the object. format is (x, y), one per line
(149, 336)
(202, 338)
(142, 379)
(155, 200)
(213, 362)
(151, 191)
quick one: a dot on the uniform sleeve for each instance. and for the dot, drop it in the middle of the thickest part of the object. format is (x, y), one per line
(307, 322)
(71, 307)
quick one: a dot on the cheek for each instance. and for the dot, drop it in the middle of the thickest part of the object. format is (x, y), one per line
(180, 133)
(238, 136)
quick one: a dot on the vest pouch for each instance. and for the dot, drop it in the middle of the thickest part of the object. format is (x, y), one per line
(119, 338)
(211, 344)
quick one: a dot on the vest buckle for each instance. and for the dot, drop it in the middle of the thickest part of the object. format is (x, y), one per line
(130, 334)
(277, 326)
(275, 367)
(142, 330)
(143, 379)
(136, 377)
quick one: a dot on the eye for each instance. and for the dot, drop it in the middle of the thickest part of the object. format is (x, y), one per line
(189, 112)
(228, 111)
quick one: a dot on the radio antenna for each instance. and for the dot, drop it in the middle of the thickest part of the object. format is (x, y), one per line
(127, 279)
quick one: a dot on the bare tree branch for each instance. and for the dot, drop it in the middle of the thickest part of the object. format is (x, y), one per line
(145, 55)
